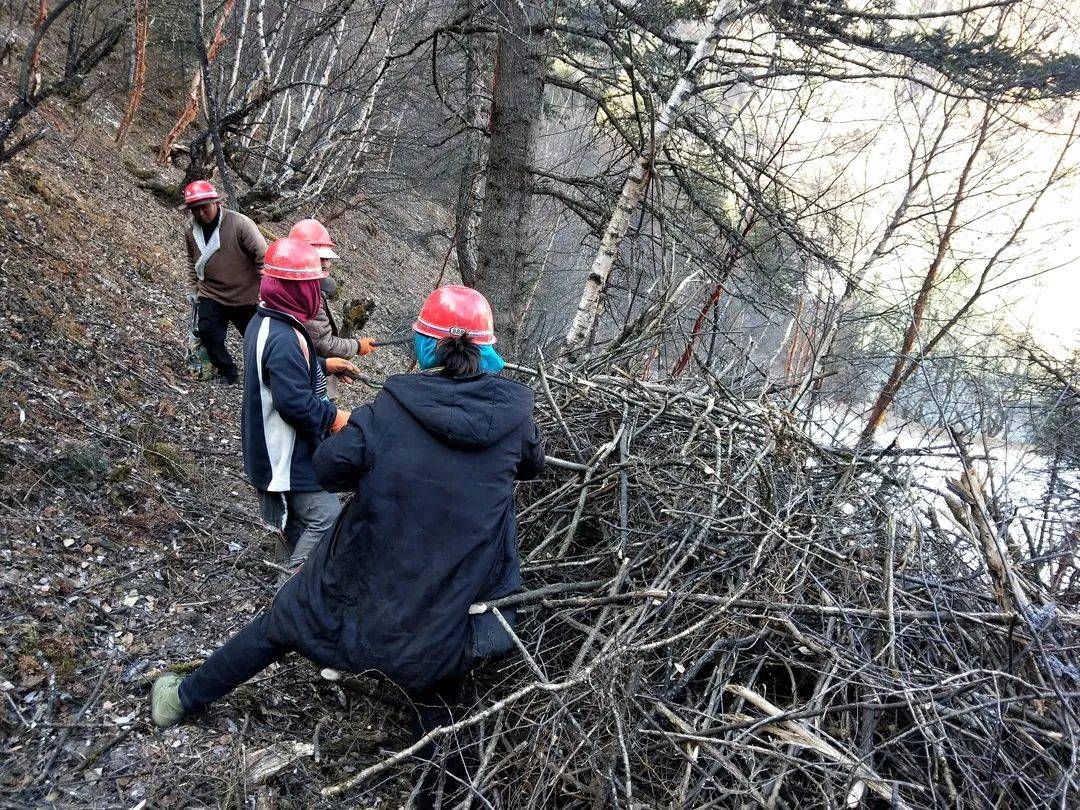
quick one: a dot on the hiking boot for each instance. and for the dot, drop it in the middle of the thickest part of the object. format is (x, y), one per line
(228, 379)
(165, 706)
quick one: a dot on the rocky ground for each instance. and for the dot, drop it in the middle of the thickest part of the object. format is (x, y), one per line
(720, 612)
(128, 535)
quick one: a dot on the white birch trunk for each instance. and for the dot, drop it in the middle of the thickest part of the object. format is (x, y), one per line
(264, 48)
(633, 190)
(272, 76)
(359, 132)
(231, 87)
(314, 91)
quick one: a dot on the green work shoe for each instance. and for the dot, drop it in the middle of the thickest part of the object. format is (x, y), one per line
(165, 705)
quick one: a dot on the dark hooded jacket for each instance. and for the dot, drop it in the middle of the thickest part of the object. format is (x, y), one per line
(429, 531)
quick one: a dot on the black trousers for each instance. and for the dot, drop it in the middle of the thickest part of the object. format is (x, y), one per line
(443, 767)
(236, 661)
(251, 651)
(213, 327)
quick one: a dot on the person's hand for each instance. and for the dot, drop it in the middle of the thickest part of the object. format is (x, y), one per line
(340, 420)
(366, 346)
(345, 370)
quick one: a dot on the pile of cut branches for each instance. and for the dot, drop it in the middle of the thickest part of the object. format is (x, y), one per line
(720, 613)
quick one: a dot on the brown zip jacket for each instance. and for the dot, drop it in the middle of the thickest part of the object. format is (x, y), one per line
(231, 275)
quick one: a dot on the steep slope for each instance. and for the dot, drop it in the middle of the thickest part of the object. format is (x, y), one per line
(128, 536)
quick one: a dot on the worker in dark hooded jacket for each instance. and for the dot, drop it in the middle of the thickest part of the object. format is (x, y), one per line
(430, 530)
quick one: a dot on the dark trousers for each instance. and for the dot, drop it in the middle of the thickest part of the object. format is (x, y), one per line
(251, 651)
(239, 659)
(301, 518)
(213, 327)
(443, 767)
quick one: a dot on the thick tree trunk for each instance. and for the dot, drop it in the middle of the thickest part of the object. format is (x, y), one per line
(633, 191)
(502, 235)
(470, 188)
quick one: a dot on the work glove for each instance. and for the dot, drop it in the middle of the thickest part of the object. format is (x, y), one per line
(192, 298)
(342, 368)
(366, 346)
(340, 420)
(345, 370)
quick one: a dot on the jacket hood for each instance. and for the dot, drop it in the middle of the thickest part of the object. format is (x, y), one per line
(473, 412)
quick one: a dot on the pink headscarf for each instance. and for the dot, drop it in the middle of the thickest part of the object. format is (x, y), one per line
(301, 299)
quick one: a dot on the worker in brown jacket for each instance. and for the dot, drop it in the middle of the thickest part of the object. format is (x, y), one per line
(225, 258)
(322, 328)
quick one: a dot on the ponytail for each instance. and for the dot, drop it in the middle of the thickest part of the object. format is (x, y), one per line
(458, 356)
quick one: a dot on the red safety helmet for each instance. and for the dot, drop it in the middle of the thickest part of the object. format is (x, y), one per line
(315, 234)
(292, 260)
(200, 192)
(455, 310)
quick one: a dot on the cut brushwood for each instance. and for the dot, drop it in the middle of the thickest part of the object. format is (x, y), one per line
(718, 610)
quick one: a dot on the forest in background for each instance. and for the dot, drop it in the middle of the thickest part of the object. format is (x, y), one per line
(818, 199)
(855, 215)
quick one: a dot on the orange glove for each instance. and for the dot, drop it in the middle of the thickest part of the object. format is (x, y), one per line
(343, 368)
(366, 346)
(340, 420)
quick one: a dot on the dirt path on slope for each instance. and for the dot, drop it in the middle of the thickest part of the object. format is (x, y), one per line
(128, 535)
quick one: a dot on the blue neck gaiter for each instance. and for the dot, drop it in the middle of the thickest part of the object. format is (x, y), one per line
(490, 361)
